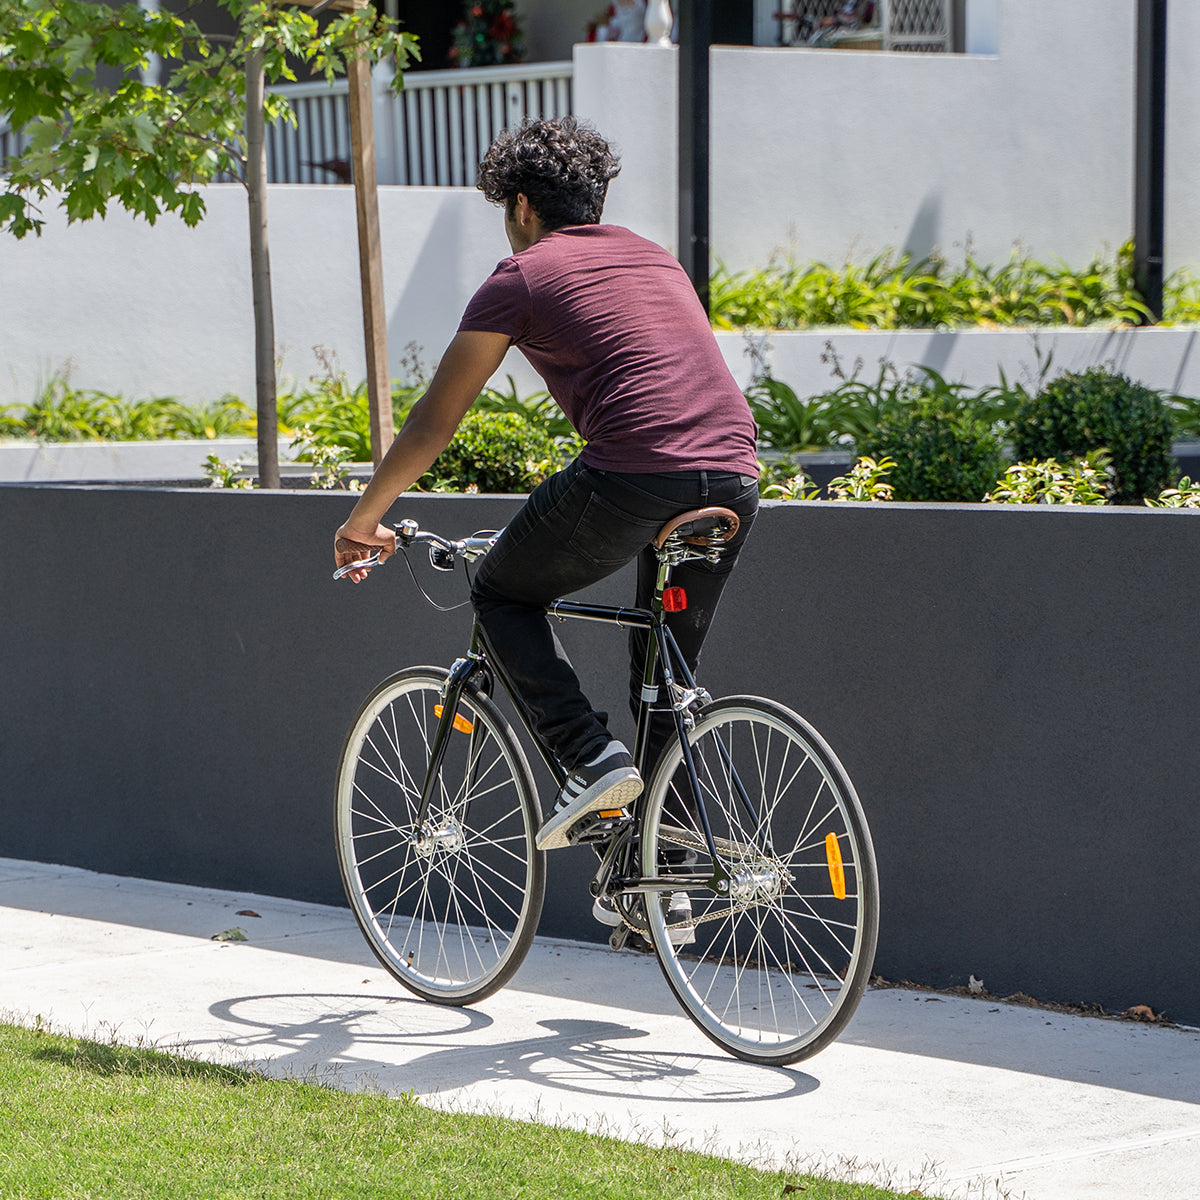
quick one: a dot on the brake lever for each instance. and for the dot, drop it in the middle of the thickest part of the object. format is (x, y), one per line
(357, 565)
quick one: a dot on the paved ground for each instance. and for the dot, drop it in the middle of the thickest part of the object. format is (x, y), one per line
(956, 1097)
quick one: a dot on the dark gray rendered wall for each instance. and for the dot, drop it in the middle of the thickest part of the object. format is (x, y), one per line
(1013, 691)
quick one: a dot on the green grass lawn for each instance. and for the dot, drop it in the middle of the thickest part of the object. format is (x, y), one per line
(85, 1119)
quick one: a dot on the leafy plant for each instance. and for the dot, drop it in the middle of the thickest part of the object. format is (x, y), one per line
(894, 291)
(337, 413)
(1186, 495)
(1096, 409)
(332, 463)
(1082, 481)
(1181, 299)
(785, 422)
(867, 480)
(223, 474)
(940, 452)
(1185, 415)
(785, 480)
(121, 420)
(227, 417)
(61, 413)
(494, 452)
(848, 414)
(11, 425)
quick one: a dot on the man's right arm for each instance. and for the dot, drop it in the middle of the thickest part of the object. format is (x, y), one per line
(469, 362)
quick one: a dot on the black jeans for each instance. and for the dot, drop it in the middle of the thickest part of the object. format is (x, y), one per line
(576, 528)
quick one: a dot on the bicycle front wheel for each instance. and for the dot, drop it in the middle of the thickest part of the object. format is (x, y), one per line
(450, 905)
(784, 922)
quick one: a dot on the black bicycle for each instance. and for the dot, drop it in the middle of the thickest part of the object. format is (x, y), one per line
(746, 863)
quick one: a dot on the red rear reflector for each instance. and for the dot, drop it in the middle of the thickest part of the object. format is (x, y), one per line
(674, 599)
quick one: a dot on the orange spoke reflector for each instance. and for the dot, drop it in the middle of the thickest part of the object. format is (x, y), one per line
(837, 872)
(460, 722)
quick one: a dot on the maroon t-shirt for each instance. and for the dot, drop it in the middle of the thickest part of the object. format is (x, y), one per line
(613, 325)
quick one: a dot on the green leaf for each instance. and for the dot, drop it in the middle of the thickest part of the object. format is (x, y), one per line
(192, 209)
(144, 132)
(77, 52)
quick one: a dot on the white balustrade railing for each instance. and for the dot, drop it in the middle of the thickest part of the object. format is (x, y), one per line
(432, 133)
(899, 24)
(12, 142)
(658, 23)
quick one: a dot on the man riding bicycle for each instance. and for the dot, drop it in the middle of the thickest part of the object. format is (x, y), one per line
(612, 324)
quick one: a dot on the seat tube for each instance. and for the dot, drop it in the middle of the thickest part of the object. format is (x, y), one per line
(649, 696)
(654, 655)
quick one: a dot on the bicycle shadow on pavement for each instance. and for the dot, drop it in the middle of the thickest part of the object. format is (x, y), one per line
(402, 1045)
(333, 1035)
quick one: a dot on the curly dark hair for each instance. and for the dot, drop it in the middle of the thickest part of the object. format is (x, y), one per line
(562, 165)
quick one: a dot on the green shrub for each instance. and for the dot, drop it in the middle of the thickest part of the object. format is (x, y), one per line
(940, 452)
(539, 408)
(1186, 495)
(785, 479)
(1099, 410)
(866, 480)
(1083, 481)
(495, 452)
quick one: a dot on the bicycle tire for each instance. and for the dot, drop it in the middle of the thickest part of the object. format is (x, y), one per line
(781, 960)
(449, 910)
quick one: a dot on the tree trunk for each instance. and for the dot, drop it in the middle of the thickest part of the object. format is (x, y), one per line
(260, 276)
(362, 148)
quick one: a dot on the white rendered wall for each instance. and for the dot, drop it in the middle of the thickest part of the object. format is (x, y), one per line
(166, 310)
(836, 154)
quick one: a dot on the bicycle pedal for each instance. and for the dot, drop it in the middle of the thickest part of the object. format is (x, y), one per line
(624, 938)
(598, 826)
(635, 941)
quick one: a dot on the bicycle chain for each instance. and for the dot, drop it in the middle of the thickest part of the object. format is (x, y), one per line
(691, 841)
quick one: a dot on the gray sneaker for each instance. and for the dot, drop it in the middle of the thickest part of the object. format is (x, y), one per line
(679, 917)
(680, 928)
(609, 781)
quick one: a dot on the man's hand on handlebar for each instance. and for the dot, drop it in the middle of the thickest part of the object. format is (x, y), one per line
(352, 543)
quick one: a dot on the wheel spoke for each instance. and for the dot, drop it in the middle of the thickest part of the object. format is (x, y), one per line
(780, 963)
(449, 904)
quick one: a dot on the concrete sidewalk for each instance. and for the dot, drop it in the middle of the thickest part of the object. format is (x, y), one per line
(955, 1097)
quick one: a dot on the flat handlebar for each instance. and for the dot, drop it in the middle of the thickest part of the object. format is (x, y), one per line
(442, 551)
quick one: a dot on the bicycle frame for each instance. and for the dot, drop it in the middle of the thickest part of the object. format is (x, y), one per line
(664, 658)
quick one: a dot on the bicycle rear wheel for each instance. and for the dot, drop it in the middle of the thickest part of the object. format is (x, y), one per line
(782, 956)
(450, 907)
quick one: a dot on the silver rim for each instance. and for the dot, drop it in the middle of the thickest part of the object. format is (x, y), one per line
(779, 960)
(449, 908)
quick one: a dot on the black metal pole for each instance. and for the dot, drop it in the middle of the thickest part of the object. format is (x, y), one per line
(1150, 140)
(695, 37)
